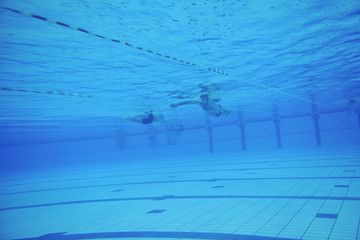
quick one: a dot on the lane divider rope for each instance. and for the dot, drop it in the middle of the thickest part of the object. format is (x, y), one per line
(46, 92)
(211, 69)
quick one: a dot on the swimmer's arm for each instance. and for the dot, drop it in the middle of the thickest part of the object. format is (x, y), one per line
(184, 103)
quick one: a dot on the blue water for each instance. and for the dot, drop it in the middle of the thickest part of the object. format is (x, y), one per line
(72, 74)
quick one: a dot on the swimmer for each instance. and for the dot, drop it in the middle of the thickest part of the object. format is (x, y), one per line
(209, 105)
(146, 118)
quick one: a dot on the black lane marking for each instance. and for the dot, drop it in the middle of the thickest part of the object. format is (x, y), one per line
(153, 234)
(342, 186)
(157, 211)
(12, 10)
(117, 190)
(38, 17)
(167, 197)
(82, 30)
(62, 24)
(326, 215)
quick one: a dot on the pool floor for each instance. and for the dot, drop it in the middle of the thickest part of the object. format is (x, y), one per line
(287, 194)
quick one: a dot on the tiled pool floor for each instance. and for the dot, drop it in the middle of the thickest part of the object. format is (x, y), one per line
(297, 194)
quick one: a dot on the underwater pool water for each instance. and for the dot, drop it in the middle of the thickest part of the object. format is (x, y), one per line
(259, 109)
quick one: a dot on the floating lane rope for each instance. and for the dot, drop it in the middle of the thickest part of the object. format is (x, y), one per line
(215, 70)
(46, 92)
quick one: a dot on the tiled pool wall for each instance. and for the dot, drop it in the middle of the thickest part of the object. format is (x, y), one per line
(336, 129)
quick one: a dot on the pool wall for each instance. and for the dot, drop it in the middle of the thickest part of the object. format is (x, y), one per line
(336, 129)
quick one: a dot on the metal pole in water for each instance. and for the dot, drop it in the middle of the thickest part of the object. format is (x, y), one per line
(152, 136)
(277, 127)
(120, 139)
(209, 128)
(315, 116)
(242, 128)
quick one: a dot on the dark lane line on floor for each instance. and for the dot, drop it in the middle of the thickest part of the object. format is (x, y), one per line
(149, 234)
(179, 181)
(170, 197)
(183, 172)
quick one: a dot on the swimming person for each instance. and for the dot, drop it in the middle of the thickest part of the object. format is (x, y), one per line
(146, 118)
(209, 105)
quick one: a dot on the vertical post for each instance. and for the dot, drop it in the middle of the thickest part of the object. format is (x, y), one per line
(152, 136)
(174, 133)
(277, 127)
(171, 135)
(242, 128)
(120, 139)
(315, 116)
(209, 128)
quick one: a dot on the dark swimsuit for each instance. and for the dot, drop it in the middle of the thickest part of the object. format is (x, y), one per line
(205, 105)
(148, 120)
(215, 114)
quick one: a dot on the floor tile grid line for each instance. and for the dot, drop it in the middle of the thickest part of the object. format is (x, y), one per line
(252, 207)
(199, 217)
(298, 194)
(138, 215)
(234, 206)
(244, 210)
(254, 216)
(295, 184)
(304, 204)
(324, 201)
(255, 203)
(342, 202)
(198, 205)
(202, 165)
(289, 188)
(231, 210)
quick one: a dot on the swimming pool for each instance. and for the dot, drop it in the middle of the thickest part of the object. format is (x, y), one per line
(179, 120)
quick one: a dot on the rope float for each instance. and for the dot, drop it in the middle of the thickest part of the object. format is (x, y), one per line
(215, 70)
(46, 92)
